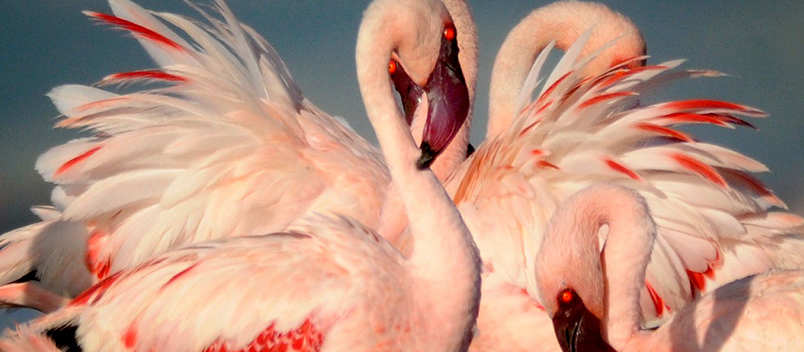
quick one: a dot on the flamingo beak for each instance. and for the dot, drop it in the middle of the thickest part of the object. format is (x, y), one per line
(448, 104)
(409, 93)
(577, 329)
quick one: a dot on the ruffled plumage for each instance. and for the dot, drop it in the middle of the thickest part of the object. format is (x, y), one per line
(216, 142)
(577, 131)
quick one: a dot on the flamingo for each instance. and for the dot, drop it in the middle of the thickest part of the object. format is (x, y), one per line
(511, 317)
(392, 220)
(230, 148)
(329, 283)
(590, 280)
(716, 222)
(562, 22)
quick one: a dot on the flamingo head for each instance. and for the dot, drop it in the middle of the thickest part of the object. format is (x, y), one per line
(576, 321)
(591, 266)
(576, 327)
(569, 276)
(420, 39)
(446, 92)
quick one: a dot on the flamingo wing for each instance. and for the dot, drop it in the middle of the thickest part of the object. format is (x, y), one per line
(763, 311)
(292, 291)
(716, 222)
(216, 142)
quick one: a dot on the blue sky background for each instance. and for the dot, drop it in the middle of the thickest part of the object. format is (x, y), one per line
(46, 43)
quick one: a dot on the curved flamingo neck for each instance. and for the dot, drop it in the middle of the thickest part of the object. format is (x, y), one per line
(563, 22)
(393, 222)
(624, 258)
(445, 261)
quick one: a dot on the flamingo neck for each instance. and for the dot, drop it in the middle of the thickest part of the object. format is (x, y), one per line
(624, 258)
(392, 217)
(564, 22)
(393, 221)
(445, 262)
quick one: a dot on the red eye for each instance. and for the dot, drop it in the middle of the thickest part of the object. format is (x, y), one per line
(566, 296)
(393, 66)
(449, 32)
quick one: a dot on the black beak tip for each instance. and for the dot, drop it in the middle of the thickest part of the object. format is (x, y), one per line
(577, 329)
(427, 157)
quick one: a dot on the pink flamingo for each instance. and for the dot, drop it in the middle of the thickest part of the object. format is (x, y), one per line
(230, 148)
(511, 318)
(329, 284)
(715, 221)
(590, 281)
(392, 220)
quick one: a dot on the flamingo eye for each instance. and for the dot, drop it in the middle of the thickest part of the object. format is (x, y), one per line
(393, 66)
(566, 296)
(449, 32)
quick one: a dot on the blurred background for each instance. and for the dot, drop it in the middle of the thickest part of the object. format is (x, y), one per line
(46, 43)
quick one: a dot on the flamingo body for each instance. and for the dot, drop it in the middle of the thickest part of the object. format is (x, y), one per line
(716, 223)
(309, 286)
(230, 148)
(328, 283)
(316, 288)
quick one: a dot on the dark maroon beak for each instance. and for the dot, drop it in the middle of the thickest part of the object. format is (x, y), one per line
(448, 100)
(409, 92)
(577, 329)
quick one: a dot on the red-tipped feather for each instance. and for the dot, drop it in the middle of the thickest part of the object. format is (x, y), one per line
(177, 276)
(134, 28)
(605, 97)
(700, 168)
(547, 165)
(305, 338)
(714, 119)
(664, 131)
(75, 160)
(123, 77)
(705, 104)
(698, 280)
(95, 292)
(658, 302)
(622, 169)
(630, 63)
(755, 186)
(554, 85)
(684, 118)
(129, 337)
(619, 75)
